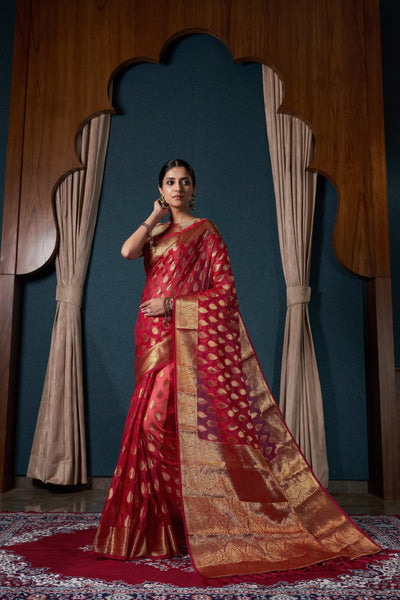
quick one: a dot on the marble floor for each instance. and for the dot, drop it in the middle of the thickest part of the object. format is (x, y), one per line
(52, 500)
(32, 496)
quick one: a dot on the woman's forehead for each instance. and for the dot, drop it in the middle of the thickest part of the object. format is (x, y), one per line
(177, 173)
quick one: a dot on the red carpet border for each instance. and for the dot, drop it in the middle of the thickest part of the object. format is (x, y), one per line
(45, 556)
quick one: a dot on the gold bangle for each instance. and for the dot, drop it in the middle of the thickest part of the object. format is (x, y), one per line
(149, 230)
(168, 304)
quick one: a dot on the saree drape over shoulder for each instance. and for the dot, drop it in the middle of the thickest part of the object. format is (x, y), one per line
(206, 458)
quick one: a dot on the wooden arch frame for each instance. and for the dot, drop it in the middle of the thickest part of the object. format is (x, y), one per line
(328, 54)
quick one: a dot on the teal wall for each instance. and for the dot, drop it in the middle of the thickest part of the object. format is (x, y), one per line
(200, 106)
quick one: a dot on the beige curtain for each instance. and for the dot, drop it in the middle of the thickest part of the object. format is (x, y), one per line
(291, 146)
(58, 453)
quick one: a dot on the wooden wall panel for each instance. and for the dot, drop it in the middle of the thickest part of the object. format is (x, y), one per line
(76, 46)
(328, 55)
(15, 145)
(384, 417)
(9, 342)
(9, 285)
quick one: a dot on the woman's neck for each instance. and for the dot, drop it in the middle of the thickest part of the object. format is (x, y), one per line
(178, 217)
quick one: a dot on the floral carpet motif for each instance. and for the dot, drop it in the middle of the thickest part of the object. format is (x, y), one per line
(46, 556)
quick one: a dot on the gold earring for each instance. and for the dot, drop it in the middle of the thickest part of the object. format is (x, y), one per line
(192, 202)
(163, 202)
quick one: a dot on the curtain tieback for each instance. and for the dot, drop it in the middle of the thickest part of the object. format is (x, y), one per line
(298, 294)
(69, 294)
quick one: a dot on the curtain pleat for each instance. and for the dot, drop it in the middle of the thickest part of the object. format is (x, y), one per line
(58, 452)
(291, 146)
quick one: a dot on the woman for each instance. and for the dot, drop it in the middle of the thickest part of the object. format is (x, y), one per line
(206, 458)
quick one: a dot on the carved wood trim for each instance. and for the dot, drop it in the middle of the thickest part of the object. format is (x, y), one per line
(321, 48)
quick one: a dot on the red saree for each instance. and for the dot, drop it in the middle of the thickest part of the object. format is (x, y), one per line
(206, 456)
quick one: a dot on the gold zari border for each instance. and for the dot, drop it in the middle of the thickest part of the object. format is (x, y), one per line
(243, 513)
(157, 355)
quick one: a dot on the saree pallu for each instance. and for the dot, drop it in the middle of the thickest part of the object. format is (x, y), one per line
(205, 445)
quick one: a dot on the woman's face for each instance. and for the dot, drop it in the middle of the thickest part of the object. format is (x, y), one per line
(177, 188)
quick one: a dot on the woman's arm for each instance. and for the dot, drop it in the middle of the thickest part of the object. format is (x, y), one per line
(133, 246)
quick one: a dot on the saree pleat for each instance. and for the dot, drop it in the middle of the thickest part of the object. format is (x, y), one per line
(142, 514)
(205, 443)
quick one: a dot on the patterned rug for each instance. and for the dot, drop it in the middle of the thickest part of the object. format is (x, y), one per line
(45, 556)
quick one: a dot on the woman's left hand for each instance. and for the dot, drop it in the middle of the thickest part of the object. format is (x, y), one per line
(153, 307)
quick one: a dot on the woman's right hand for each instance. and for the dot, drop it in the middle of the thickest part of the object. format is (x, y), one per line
(158, 211)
